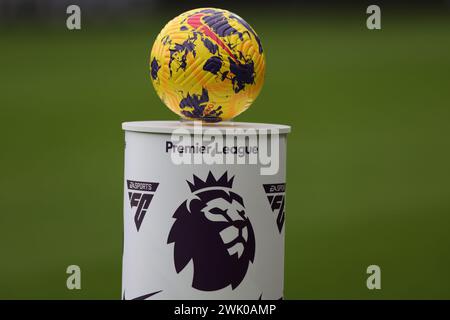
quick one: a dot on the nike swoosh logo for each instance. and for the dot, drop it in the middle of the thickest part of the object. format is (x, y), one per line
(195, 21)
(144, 297)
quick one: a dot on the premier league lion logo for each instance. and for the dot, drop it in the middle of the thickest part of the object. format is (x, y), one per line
(213, 231)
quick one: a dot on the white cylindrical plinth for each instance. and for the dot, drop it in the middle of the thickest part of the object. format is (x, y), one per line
(204, 210)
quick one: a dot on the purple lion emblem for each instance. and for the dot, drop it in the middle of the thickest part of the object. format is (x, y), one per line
(212, 230)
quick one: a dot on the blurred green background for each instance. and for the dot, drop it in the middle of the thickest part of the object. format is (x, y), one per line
(368, 156)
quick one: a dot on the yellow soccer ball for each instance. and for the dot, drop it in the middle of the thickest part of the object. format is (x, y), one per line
(207, 64)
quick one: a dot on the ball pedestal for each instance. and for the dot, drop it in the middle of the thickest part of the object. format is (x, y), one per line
(204, 210)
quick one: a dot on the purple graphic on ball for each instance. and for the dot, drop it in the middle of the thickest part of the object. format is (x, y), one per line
(212, 230)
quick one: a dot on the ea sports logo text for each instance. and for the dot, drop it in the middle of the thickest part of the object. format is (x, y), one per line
(276, 195)
(140, 194)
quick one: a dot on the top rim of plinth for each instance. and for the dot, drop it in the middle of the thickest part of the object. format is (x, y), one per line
(193, 127)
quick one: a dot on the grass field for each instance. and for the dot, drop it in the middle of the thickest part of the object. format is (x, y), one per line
(368, 167)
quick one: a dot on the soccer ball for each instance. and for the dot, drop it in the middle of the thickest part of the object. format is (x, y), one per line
(207, 64)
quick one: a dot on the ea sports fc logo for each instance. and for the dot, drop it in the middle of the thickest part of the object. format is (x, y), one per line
(212, 230)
